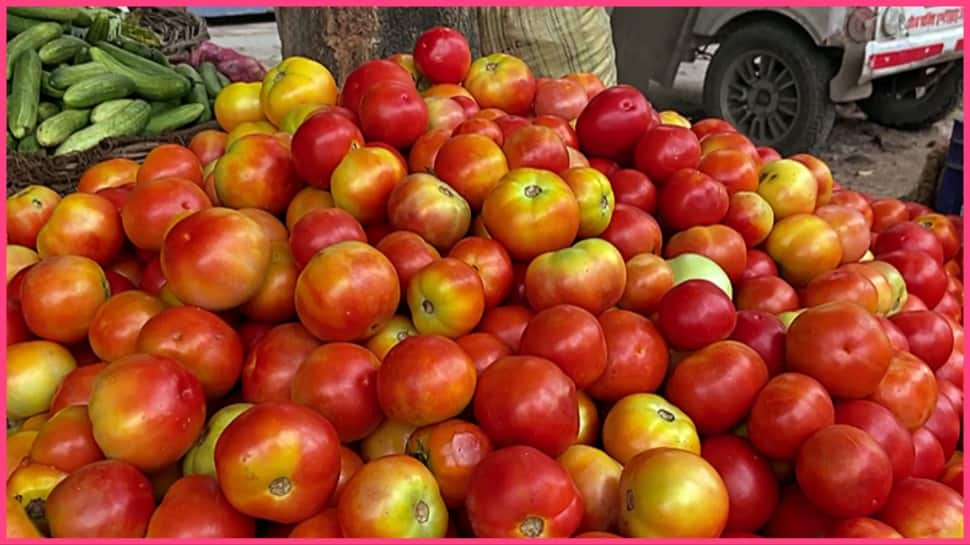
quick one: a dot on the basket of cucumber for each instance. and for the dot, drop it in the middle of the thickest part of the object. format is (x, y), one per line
(78, 95)
(179, 30)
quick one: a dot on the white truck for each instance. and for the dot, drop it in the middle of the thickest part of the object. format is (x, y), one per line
(778, 72)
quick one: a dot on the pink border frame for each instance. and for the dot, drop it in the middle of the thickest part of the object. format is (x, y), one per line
(428, 3)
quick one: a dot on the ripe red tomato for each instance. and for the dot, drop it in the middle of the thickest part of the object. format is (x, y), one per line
(696, 313)
(944, 230)
(154, 206)
(597, 478)
(447, 298)
(666, 149)
(750, 482)
(339, 380)
(570, 337)
(451, 450)
(648, 278)
(82, 224)
(733, 168)
(882, 426)
(563, 97)
(421, 364)
(321, 143)
(710, 125)
(507, 323)
(764, 333)
(924, 277)
(346, 292)
(492, 263)
(787, 411)
(520, 492)
(472, 164)
(515, 392)
(278, 461)
(501, 81)
(480, 126)
(691, 198)
(634, 188)
(66, 441)
(863, 527)
(423, 153)
(562, 127)
(194, 507)
(844, 471)
(910, 236)
(170, 160)
(113, 333)
(535, 146)
(257, 171)
(717, 385)
(720, 243)
(366, 75)
(908, 389)
(928, 335)
(637, 356)
(613, 122)
(394, 113)
(409, 253)
(320, 228)
(484, 349)
(76, 387)
(863, 355)
(945, 425)
(590, 274)
(841, 285)
(273, 361)
(759, 264)
(429, 207)
(641, 422)
(101, 500)
(633, 232)
(152, 398)
(363, 181)
(921, 508)
(442, 55)
(929, 459)
(770, 294)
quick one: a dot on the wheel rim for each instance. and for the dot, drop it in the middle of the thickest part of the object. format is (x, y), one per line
(760, 96)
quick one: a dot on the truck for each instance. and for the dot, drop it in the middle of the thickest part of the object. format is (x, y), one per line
(776, 73)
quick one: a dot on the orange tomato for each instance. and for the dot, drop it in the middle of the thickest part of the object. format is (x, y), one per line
(249, 127)
(208, 145)
(295, 81)
(171, 160)
(109, 173)
(238, 103)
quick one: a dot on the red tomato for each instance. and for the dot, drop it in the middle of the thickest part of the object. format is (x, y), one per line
(844, 471)
(696, 313)
(409, 253)
(194, 507)
(535, 146)
(796, 517)
(560, 97)
(515, 392)
(637, 356)
(66, 441)
(101, 500)
(420, 364)
(863, 527)
(908, 389)
(717, 385)
(770, 294)
(613, 122)
(82, 224)
(363, 181)
(928, 335)
(480, 126)
(339, 380)
(750, 482)
(691, 198)
(394, 113)
(605, 166)
(944, 230)
(201, 341)
(908, 236)
(882, 426)
(758, 263)
(641, 422)
(720, 243)
(924, 277)
(763, 332)
(562, 127)
(510, 124)
(320, 228)
(634, 188)
(76, 387)
(472, 164)
(429, 207)
(841, 285)
(346, 292)
(501, 81)
(787, 411)
(107, 174)
(484, 349)
(666, 149)
(278, 461)
(150, 397)
(590, 274)
(863, 355)
(113, 333)
(319, 145)
(733, 168)
(366, 75)
(633, 231)
(710, 125)
(446, 297)
(27, 212)
(451, 450)
(648, 278)
(257, 172)
(442, 55)
(921, 508)
(520, 492)
(170, 160)
(492, 263)
(597, 477)
(507, 323)
(929, 459)
(570, 337)
(273, 361)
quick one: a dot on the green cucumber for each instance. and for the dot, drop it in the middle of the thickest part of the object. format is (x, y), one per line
(93, 91)
(188, 71)
(17, 24)
(138, 62)
(47, 110)
(107, 110)
(130, 121)
(159, 106)
(11, 142)
(85, 17)
(175, 118)
(66, 76)
(60, 49)
(25, 94)
(57, 129)
(208, 72)
(223, 79)
(61, 15)
(142, 50)
(151, 86)
(31, 39)
(99, 30)
(29, 144)
(82, 56)
(47, 88)
(199, 96)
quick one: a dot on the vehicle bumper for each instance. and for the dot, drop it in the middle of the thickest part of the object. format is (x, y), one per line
(893, 57)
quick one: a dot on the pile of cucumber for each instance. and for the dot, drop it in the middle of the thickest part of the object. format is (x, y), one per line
(72, 83)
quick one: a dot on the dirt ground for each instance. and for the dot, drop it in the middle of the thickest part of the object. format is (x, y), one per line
(862, 155)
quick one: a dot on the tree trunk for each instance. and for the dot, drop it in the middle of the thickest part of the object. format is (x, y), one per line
(344, 38)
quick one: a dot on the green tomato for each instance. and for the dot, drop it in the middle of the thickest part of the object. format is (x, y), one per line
(201, 458)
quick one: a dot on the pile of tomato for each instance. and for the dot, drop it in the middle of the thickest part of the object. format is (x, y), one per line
(454, 299)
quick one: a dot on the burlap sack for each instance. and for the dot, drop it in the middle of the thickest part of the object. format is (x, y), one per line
(553, 41)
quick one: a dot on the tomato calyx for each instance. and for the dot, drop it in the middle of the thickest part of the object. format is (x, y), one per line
(532, 526)
(280, 486)
(666, 415)
(532, 191)
(427, 306)
(445, 191)
(422, 513)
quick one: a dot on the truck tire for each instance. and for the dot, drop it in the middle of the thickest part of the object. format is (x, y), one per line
(909, 111)
(772, 83)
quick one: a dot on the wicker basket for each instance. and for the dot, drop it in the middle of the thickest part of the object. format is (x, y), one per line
(61, 173)
(180, 31)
